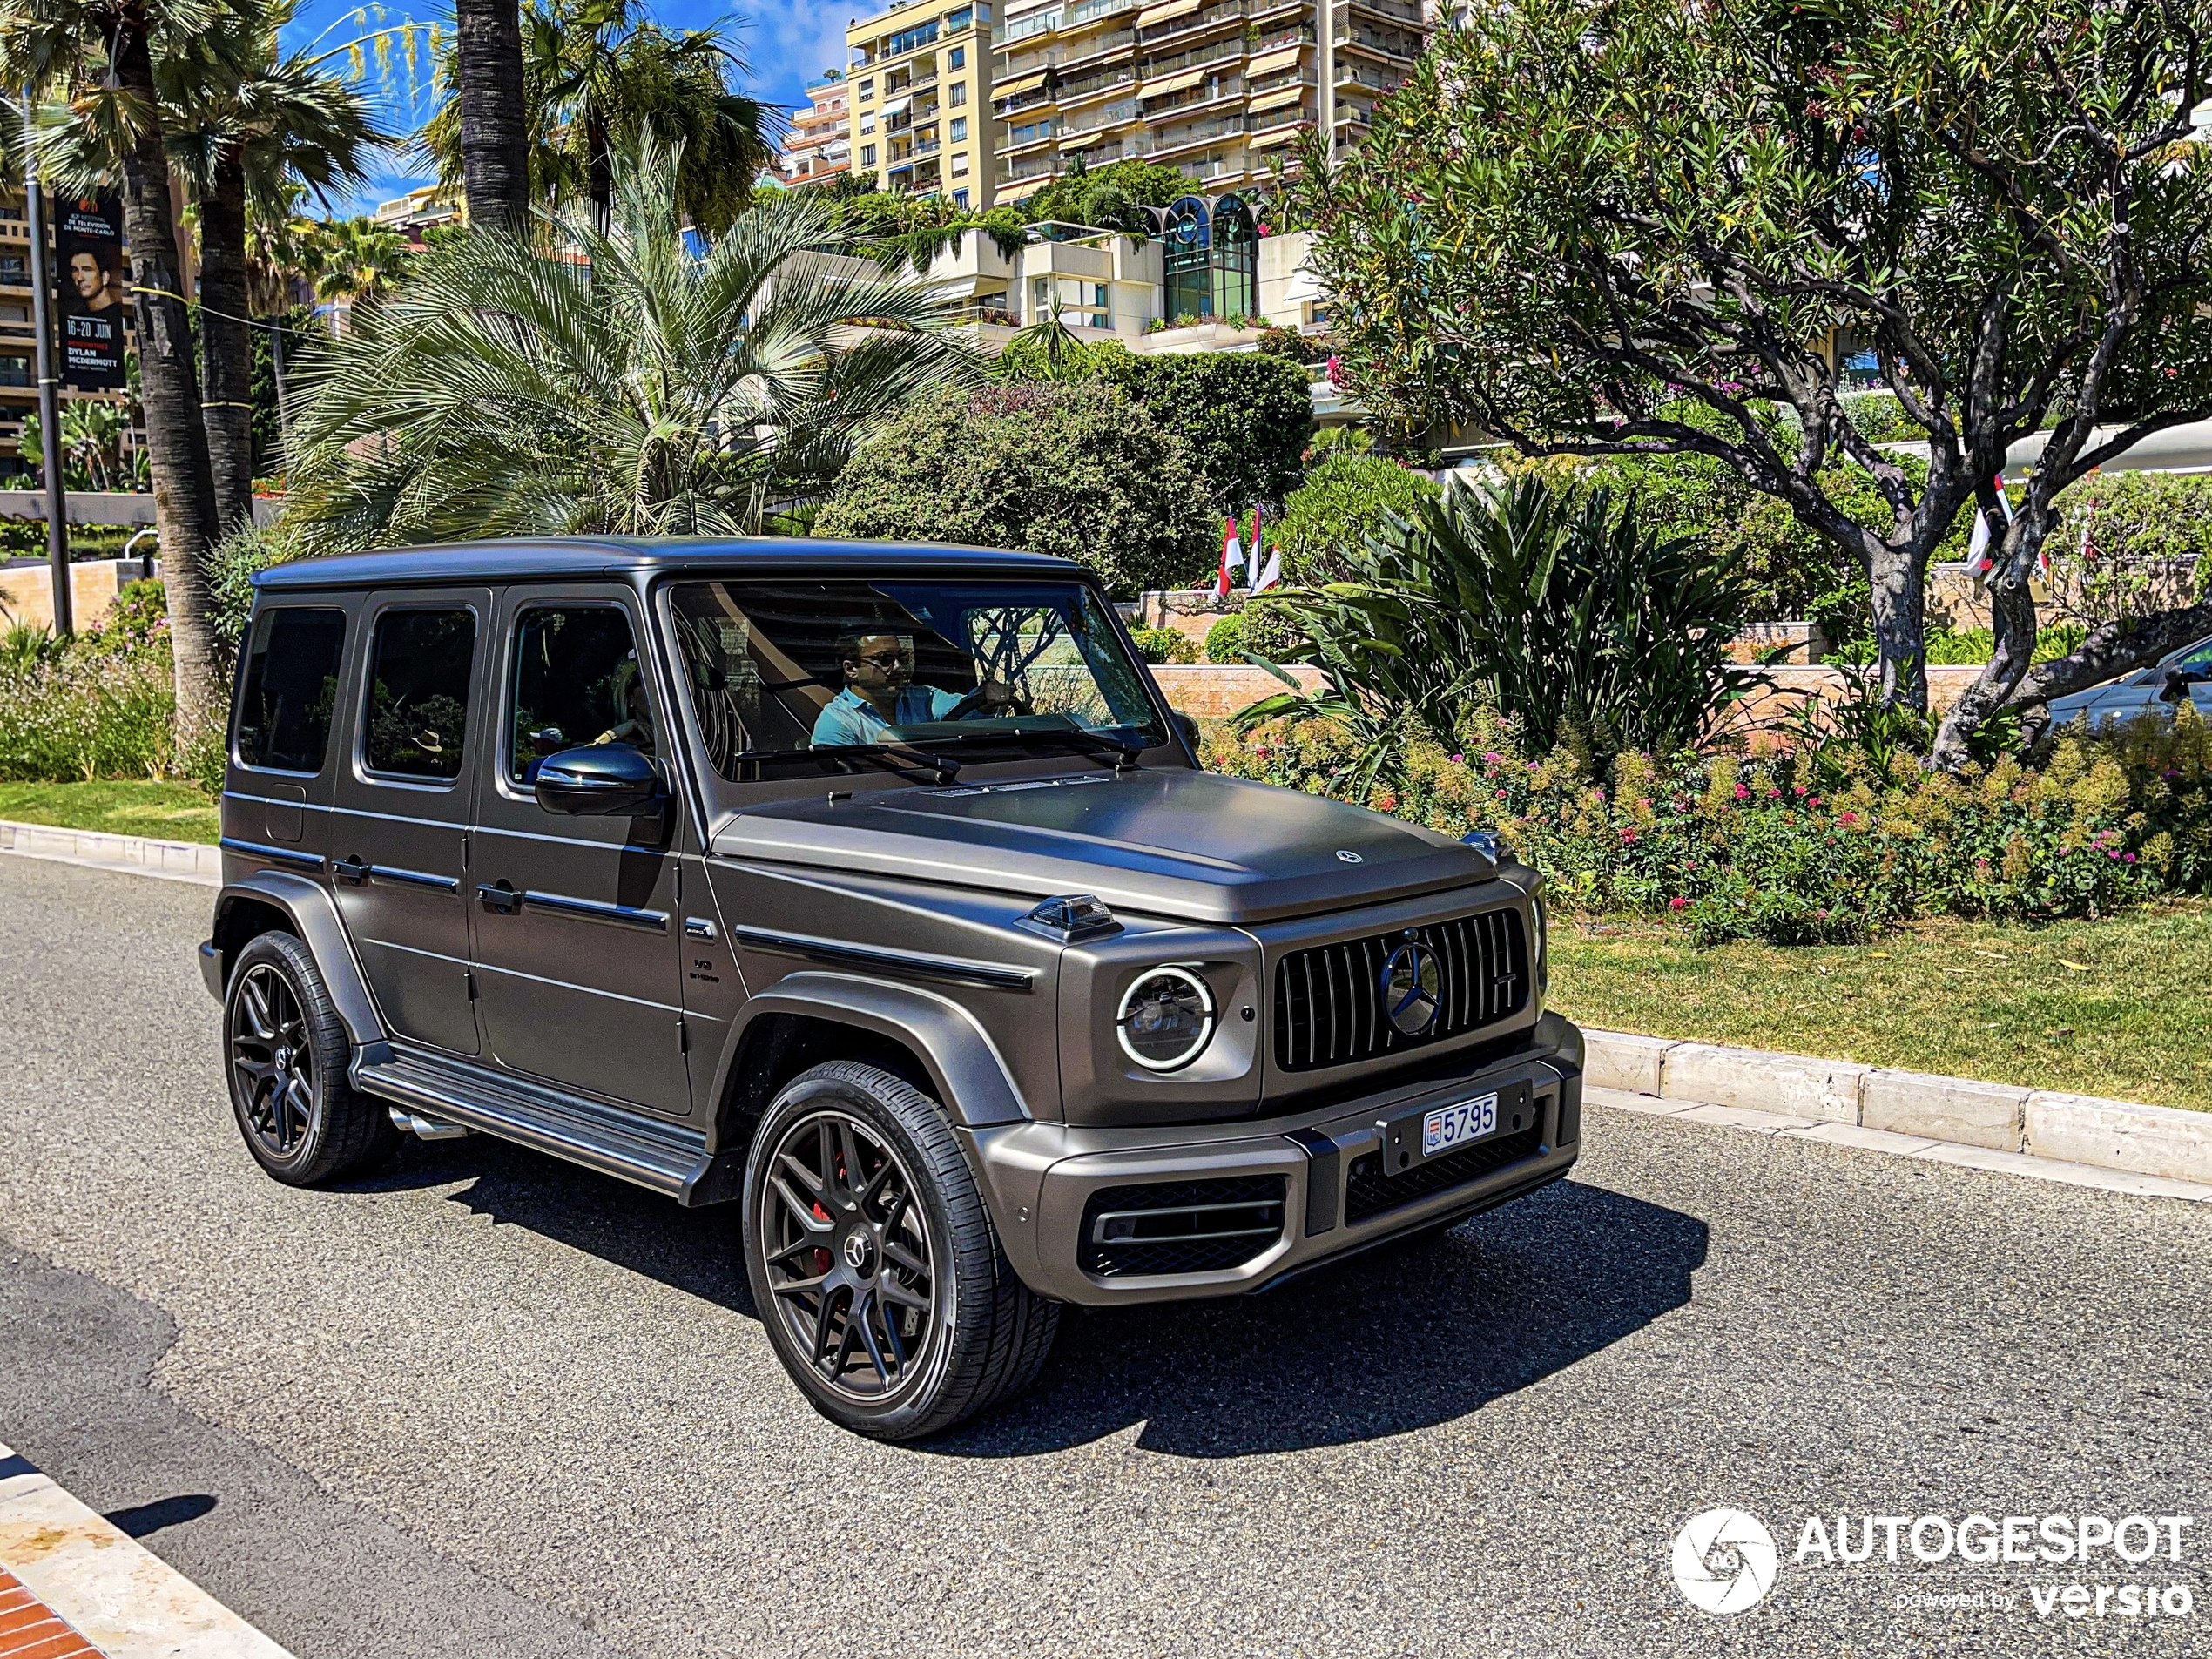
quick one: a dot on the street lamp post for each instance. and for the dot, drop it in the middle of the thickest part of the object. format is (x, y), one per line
(50, 421)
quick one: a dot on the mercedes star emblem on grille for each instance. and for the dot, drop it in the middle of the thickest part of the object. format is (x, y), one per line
(1412, 985)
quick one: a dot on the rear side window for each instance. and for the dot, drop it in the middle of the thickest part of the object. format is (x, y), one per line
(418, 693)
(291, 685)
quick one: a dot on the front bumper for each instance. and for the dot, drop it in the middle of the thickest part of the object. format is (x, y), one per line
(1334, 1199)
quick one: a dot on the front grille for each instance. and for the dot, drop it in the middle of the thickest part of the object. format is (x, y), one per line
(1180, 1226)
(1368, 1191)
(1329, 1002)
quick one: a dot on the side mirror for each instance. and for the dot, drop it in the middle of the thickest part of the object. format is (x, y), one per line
(2177, 688)
(1189, 727)
(601, 780)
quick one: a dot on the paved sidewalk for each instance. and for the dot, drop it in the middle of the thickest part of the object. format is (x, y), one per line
(73, 1583)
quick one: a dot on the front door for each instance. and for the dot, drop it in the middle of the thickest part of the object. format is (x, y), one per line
(579, 946)
(399, 817)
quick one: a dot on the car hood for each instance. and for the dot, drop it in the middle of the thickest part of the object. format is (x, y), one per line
(1192, 845)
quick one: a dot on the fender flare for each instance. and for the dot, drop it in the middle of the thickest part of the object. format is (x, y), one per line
(314, 918)
(971, 1079)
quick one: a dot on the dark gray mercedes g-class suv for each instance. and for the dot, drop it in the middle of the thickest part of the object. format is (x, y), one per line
(877, 890)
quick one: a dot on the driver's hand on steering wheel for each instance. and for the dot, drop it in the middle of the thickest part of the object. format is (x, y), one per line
(994, 697)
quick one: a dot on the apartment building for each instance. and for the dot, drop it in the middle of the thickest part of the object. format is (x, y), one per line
(418, 212)
(1217, 89)
(921, 107)
(819, 145)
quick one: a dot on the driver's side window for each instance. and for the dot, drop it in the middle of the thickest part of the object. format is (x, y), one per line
(577, 681)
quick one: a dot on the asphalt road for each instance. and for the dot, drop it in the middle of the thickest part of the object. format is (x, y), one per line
(490, 1405)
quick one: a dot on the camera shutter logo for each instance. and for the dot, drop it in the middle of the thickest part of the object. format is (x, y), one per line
(1724, 1561)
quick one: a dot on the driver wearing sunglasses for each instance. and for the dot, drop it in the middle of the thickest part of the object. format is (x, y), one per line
(880, 691)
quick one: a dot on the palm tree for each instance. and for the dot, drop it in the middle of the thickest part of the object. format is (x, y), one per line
(493, 136)
(99, 55)
(358, 262)
(247, 123)
(599, 80)
(638, 389)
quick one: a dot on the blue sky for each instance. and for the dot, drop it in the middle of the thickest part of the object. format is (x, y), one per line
(787, 44)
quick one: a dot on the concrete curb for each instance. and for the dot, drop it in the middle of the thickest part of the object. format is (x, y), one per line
(140, 854)
(118, 1595)
(2160, 1141)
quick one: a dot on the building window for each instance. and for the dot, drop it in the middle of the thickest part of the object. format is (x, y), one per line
(960, 93)
(956, 58)
(867, 155)
(959, 163)
(1188, 274)
(868, 89)
(959, 199)
(959, 128)
(1235, 259)
(15, 371)
(868, 121)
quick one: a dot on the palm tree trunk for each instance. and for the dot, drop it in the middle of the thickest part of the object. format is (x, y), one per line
(184, 490)
(226, 345)
(495, 140)
(601, 166)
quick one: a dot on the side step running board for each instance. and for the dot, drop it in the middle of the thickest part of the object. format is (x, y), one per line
(667, 1158)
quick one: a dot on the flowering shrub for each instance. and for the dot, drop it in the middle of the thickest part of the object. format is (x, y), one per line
(1741, 847)
(87, 715)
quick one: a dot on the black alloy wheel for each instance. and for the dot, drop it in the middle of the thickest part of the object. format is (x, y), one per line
(272, 1062)
(848, 1257)
(286, 1051)
(873, 1260)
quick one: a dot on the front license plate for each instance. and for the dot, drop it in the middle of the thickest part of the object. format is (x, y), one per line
(1457, 1124)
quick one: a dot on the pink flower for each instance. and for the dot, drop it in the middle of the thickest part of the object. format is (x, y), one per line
(1742, 793)
(1677, 904)
(1502, 794)
(1800, 788)
(1627, 836)
(1774, 794)
(1490, 757)
(1459, 760)
(2127, 858)
(1847, 818)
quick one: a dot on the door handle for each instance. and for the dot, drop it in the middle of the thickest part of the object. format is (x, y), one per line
(350, 869)
(501, 897)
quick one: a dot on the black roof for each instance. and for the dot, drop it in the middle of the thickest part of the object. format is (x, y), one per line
(554, 558)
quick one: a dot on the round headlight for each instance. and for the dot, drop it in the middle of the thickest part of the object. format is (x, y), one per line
(1166, 1019)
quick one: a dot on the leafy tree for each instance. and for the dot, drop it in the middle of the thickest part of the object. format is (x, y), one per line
(1244, 417)
(1573, 219)
(503, 390)
(1079, 471)
(359, 262)
(99, 56)
(1327, 520)
(1111, 198)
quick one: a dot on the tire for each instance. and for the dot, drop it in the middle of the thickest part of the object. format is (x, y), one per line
(285, 1053)
(897, 1314)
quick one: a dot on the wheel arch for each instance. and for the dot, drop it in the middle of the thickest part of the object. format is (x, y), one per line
(272, 901)
(806, 1018)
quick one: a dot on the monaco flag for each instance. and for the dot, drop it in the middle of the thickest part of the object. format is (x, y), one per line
(1262, 577)
(1232, 558)
(1979, 560)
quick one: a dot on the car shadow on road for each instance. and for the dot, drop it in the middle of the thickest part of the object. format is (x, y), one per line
(1398, 1339)
(1401, 1339)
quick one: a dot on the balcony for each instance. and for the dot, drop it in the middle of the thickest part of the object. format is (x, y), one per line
(1399, 10)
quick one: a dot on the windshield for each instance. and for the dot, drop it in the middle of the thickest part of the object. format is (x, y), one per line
(796, 670)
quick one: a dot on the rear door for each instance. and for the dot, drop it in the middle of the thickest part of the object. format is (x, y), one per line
(400, 815)
(577, 919)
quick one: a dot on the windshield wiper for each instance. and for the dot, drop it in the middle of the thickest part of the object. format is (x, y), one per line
(1124, 750)
(893, 756)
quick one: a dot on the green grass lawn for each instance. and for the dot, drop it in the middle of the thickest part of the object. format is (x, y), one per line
(2119, 1007)
(170, 811)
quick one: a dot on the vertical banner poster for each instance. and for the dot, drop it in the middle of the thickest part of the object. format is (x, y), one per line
(88, 259)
